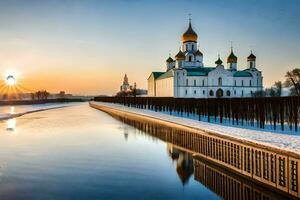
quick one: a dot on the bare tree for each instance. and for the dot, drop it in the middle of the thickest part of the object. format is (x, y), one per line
(276, 89)
(293, 81)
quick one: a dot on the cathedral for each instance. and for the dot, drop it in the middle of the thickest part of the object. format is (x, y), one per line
(187, 77)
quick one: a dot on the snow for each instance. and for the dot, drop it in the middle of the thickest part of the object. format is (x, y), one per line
(275, 140)
(7, 112)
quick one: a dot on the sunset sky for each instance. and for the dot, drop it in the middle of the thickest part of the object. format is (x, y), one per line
(86, 47)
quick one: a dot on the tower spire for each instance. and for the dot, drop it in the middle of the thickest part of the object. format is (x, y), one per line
(190, 19)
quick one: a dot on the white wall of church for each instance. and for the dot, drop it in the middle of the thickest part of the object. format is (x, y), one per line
(151, 86)
(165, 87)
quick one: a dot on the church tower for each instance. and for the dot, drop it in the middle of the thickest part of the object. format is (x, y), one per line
(189, 39)
(193, 56)
(232, 61)
(251, 60)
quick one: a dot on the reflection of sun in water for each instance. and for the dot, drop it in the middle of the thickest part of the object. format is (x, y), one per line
(11, 124)
(10, 80)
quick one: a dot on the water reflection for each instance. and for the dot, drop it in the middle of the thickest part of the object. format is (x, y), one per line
(218, 179)
(11, 124)
(184, 163)
(12, 110)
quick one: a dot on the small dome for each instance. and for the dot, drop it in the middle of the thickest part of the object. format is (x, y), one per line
(232, 58)
(219, 61)
(251, 57)
(169, 60)
(190, 35)
(180, 55)
(198, 53)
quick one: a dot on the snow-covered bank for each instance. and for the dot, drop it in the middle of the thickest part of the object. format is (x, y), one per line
(276, 140)
(7, 112)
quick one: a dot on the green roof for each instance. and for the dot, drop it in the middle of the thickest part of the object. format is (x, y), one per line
(166, 74)
(157, 74)
(242, 74)
(199, 71)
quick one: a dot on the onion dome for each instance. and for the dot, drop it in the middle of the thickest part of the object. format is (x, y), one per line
(232, 58)
(190, 35)
(219, 61)
(180, 55)
(169, 60)
(251, 57)
(198, 53)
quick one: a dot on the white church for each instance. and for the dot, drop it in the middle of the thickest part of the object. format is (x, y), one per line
(187, 77)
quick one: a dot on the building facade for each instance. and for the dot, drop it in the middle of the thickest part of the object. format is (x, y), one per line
(187, 77)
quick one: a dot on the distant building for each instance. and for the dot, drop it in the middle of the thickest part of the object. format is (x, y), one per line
(187, 77)
(130, 90)
(125, 87)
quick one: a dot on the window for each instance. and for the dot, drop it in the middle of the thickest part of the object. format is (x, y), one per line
(235, 83)
(251, 64)
(203, 91)
(194, 91)
(228, 93)
(242, 82)
(234, 92)
(192, 47)
(190, 58)
(211, 93)
(220, 81)
(242, 93)
(202, 82)
(186, 47)
(250, 83)
(187, 82)
(185, 92)
(195, 82)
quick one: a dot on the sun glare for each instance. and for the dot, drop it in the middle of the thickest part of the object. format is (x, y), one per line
(10, 80)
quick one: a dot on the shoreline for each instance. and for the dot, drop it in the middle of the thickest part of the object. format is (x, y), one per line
(35, 102)
(196, 126)
(11, 116)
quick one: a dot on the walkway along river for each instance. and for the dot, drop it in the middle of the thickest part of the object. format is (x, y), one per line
(270, 167)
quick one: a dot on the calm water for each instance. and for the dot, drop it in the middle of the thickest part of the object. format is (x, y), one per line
(81, 153)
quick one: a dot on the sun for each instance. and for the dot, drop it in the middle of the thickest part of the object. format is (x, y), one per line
(10, 80)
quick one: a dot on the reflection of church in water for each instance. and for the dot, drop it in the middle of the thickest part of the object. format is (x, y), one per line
(184, 163)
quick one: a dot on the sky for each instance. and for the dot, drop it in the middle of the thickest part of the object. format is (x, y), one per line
(85, 47)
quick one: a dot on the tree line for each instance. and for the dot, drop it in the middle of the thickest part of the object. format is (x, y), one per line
(292, 83)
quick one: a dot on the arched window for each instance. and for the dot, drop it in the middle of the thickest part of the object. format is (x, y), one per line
(202, 82)
(228, 93)
(192, 47)
(251, 64)
(242, 93)
(190, 58)
(185, 92)
(250, 83)
(187, 82)
(242, 82)
(220, 81)
(186, 47)
(195, 82)
(235, 83)
(203, 91)
(211, 93)
(194, 91)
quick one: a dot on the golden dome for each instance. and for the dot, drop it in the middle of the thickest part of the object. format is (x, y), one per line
(251, 57)
(190, 35)
(232, 58)
(180, 55)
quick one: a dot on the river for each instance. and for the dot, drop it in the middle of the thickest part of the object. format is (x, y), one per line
(78, 152)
